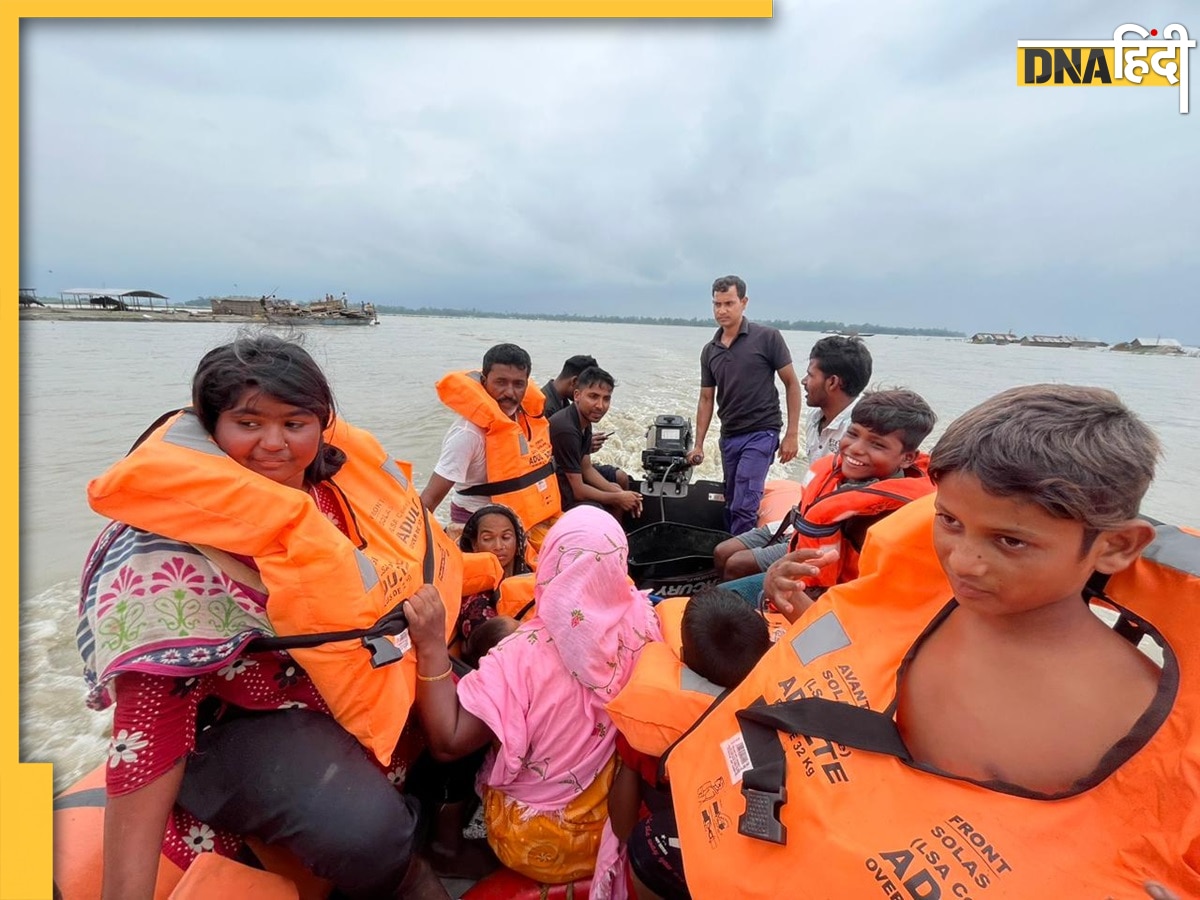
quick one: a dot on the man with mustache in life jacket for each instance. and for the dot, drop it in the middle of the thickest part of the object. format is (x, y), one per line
(498, 448)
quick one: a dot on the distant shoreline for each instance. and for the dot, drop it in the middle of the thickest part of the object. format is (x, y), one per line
(184, 313)
(781, 324)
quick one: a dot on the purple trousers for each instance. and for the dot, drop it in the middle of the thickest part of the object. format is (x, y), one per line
(745, 459)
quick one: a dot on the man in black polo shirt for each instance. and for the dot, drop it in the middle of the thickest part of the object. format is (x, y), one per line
(737, 369)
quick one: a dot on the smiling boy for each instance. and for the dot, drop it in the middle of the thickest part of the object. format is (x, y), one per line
(877, 469)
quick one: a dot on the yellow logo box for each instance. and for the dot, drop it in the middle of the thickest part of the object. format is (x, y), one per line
(1076, 66)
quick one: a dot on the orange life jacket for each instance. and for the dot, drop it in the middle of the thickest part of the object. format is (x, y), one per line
(858, 820)
(779, 496)
(663, 698)
(516, 596)
(180, 484)
(829, 505)
(520, 460)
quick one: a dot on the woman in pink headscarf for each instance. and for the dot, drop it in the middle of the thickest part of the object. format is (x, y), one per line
(540, 696)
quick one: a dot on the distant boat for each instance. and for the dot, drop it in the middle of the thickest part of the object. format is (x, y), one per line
(330, 311)
(850, 334)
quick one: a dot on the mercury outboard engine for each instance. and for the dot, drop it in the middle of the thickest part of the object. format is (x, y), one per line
(665, 457)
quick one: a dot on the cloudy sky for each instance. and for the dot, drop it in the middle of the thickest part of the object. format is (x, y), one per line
(855, 162)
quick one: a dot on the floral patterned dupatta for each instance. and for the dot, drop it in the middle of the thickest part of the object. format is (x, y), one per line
(158, 606)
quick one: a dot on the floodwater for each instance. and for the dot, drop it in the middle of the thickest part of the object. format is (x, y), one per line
(88, 389)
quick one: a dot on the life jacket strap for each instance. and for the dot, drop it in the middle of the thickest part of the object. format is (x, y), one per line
(763, 784)
(811, 530)
(788, 521)
(376, 639)
(509, 485)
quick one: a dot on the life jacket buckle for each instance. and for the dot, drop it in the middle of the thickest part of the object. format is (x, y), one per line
(383, 650)
(761, 819)
(388, 639)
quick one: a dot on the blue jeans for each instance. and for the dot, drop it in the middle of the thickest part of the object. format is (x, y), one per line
(745, 459)
(748, 588)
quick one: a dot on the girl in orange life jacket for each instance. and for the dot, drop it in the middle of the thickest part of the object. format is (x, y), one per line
(874, 472)
(264, 404)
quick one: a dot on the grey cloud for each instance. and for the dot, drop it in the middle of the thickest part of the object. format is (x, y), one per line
(853, 167)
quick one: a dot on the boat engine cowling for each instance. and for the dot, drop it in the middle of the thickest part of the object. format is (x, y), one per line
(667, 471)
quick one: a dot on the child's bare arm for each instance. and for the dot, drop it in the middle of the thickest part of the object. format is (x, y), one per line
(624, 798)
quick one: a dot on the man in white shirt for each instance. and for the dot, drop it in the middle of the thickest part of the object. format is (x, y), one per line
(839, 368)
(497, 450)
(461, 463)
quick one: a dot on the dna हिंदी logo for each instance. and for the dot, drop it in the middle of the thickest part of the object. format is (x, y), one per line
(1120, 62)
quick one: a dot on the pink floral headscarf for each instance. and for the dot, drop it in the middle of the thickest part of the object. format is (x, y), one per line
(585, 601)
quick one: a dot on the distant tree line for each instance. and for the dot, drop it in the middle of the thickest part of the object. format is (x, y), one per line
(820, 325)
(783, 325)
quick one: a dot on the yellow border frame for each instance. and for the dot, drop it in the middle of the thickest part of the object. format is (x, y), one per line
(26, 789)
(26, 814)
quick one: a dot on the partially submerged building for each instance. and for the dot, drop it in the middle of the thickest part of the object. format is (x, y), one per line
(1162, 346)
(993, 337)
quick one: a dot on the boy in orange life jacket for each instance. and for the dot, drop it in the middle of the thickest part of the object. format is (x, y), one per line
(722, 640)
(719, 642)
(876, 470)
(1001, 686)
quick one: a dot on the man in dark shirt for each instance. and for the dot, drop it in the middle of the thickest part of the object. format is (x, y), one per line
(560, 390)
(571, 438)
(559, 393)
(737, 370)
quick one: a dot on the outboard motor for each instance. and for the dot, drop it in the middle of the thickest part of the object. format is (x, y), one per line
(665, 457)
